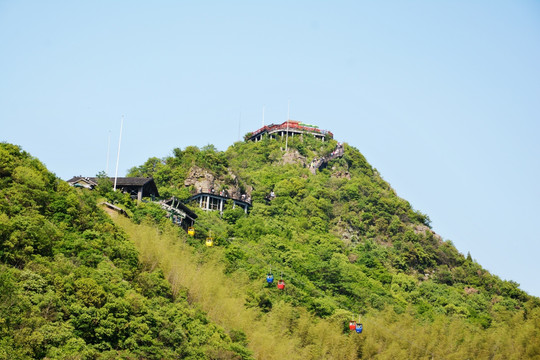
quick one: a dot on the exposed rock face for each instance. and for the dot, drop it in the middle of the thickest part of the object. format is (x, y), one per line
(204, 181)
(421, 229)
(341, 174)
(470, 290)
(293, 157)
(201, 179)
(345, 232)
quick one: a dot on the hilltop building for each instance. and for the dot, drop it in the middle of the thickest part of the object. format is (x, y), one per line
(290, 128)
(137, 187)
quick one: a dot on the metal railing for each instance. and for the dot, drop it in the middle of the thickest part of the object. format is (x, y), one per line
(290, 126)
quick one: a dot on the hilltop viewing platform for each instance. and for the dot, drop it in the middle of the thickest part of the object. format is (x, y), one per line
(290, 128)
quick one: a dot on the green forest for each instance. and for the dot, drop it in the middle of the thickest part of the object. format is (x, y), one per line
(80, 282)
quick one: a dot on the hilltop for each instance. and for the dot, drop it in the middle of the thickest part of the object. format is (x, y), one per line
(346, 244)
(81, 285)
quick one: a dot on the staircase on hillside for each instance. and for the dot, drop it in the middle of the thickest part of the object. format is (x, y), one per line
(321, 163)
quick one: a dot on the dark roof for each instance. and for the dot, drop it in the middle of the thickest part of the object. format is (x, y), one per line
(88, 180)
(121, 181)
(129, 181)
(146, 182)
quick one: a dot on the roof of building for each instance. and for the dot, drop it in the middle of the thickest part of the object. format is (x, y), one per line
(291, 126)
(146, 182)
(78, 179)
(127, 181)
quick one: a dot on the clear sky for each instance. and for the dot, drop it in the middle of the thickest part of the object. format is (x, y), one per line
(442, 97)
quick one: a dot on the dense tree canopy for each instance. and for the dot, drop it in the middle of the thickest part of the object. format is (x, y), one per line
(74, 284)
(343, 239)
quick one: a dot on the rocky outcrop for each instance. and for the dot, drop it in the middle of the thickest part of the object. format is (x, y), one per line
(422, 229)
(203, 180)
(340, 174)
(200, 179)
(293, 157)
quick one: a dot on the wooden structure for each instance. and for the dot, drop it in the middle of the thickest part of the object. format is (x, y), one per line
(179, 213)
(115, 208)
(213, 202)
(137, 187)
(290, 128)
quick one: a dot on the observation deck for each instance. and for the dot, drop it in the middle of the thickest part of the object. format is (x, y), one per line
(290, 128)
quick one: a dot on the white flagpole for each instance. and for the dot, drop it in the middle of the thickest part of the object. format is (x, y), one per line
(118, 155)
(288, 116)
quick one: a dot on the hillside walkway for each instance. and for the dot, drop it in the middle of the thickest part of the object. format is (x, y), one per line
(317, 164)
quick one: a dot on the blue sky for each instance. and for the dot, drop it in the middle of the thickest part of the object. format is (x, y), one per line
(443, 98)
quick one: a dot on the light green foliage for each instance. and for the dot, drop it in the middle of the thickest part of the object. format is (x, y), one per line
(345, 243)
(169, 173)
(343, 239)
(72, 286)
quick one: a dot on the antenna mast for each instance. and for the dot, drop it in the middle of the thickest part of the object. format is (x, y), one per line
(288, 116)
(118, 155)
(263, 116)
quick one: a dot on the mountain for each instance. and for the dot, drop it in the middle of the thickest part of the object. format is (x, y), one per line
(347, 245)
(79, 283)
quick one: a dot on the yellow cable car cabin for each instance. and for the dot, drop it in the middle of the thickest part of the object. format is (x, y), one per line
(191, 231)
(210, 239)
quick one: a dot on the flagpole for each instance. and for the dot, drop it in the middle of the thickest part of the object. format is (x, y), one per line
(118, 155)
(287, 134)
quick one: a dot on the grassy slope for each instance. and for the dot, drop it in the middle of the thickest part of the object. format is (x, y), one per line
(284, 333)
(289, 332)
(346, 243)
